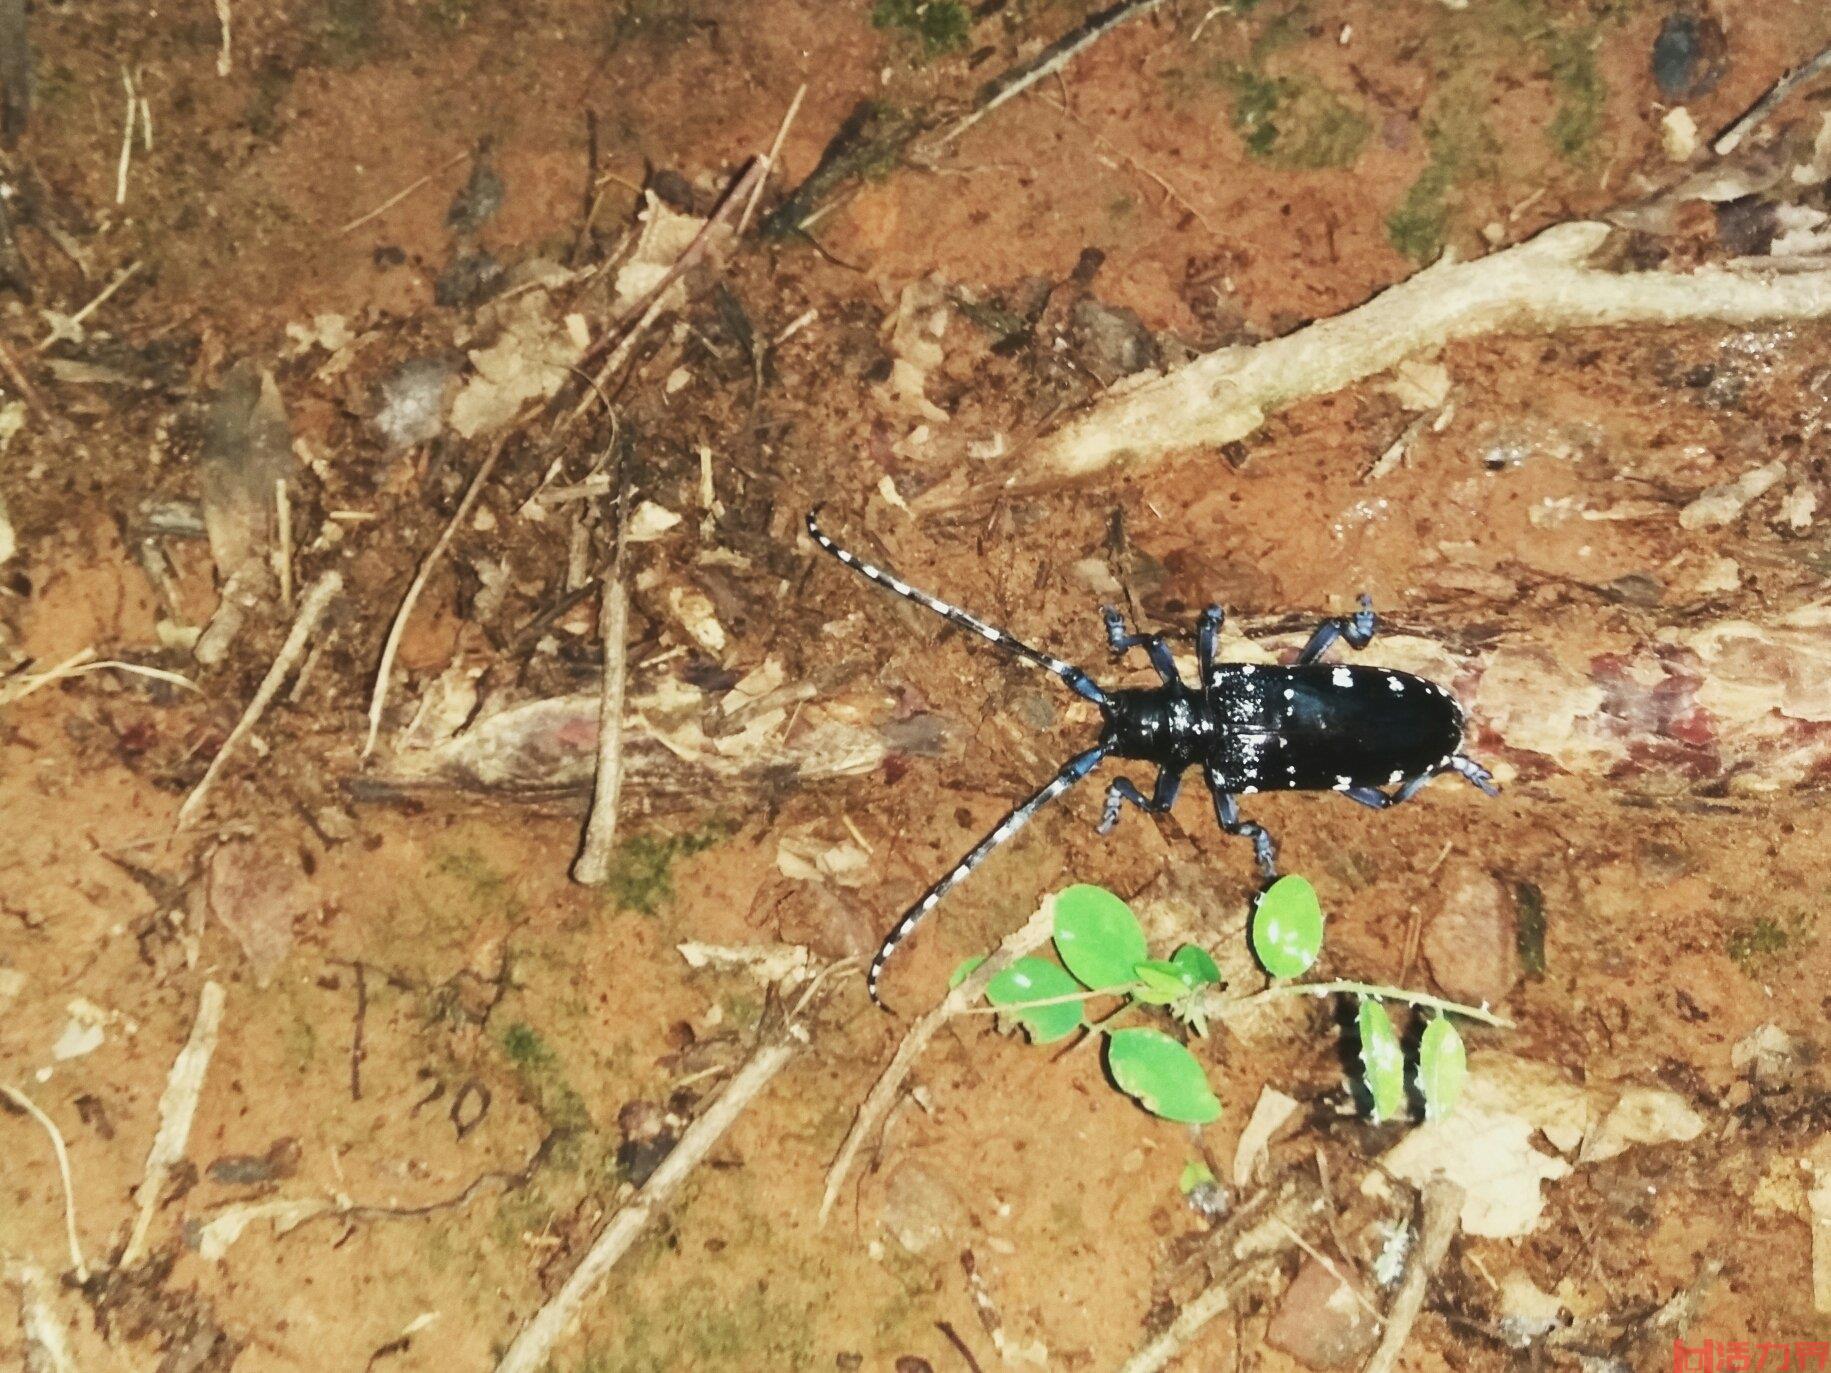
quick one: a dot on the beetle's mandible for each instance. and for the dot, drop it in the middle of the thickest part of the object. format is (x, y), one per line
(1248, 727)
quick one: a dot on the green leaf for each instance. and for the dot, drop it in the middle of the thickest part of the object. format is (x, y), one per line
(1037, 979)
(1287, 927)
(965, 970)
(1382, 1061)
(1194, 1174)
(1442, 1065)
(1162, 1075)
(1163, 982)
(1098, 937)
(1195, 962)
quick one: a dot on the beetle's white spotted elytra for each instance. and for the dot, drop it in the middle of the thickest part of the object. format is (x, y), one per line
(1229, 727)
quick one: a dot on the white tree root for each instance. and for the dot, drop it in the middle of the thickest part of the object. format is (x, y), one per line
(534, 1345)
(1541, 285)
(30, 1107)
(1033, 934)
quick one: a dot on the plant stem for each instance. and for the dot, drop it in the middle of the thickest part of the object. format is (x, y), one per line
(1437, 1003)
(1006, 1007)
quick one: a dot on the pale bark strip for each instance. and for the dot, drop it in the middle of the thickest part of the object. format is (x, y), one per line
(592, 867)
(1540, 285)
(177, 1109)
(533, 1346)
(1034, 933)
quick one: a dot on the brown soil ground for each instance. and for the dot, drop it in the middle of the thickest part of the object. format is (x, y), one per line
(446, 1005)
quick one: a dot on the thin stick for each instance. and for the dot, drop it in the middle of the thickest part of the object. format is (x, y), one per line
(775, 151)
(378, 701)
(222, 18)
(534, 1344)
(311, 610)
(282, 500)
(127, 139)
(83, 668)
(877, 1103)
(1051, 59)
(400, 195)
(1436, 1228)
(659, 294)
(121, 278)
(15, 374)
(1435, 1003)
(30, 1107)
(177, 1108)
(1731, 138)
(592, 868)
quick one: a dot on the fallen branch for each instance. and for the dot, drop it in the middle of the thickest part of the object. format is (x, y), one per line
(1731, 138)
(177, 1108)
(47, 1342)
(378, 700)
(1545, 283)
(30, 1107)
(533, 1346)
(1436, 1228)
(312, 607)
(1033, 934)
(592, 867)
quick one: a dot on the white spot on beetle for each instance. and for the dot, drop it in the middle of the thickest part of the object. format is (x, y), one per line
(1245, 669)
(1342, 784)
(1342, 677)
(1290, 694)
(1249, 791)
(1396, 685)
(1395, 779)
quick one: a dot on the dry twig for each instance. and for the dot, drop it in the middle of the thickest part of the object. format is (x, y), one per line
(378, 700)
(1436, 1228)
(592, 867)
(534, 1344)
(1033, 934)
(30, 1107)
(177, 1108)
(1731, 138)
(769, 162)
(312, 606)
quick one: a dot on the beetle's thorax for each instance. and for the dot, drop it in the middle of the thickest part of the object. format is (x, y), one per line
(1164, 724)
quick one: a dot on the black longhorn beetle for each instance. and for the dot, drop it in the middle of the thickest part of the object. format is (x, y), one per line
(1249, 727)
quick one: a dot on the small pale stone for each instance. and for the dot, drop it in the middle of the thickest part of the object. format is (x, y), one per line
(1320, 1323)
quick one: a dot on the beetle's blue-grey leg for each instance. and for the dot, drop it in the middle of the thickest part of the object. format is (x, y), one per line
(1464, 767)
(1227, 814)
(1358, 629)
(1208, 638)
(1476, 774)
(1163, 796)
(1077, 768)
(1154, 645)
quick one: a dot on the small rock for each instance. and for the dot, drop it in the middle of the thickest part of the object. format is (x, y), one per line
(1718, 505)
(920, 1210)
(1766, 1053)
(1678, 134)
(1320, 1323)
(1470, 941)
(469, 280)
(1689, 56)
(245, 1170)
(648, 1138)
(1111, 341)
(848, 1363)
(909, 1363)
(1747, 225)
(258, 895)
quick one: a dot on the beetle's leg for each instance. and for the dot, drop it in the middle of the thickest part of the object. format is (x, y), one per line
(1163, 796)
(1357, 629)
(1153, 644)
(1207, 639)
(1474, 772)
(1227, 814)
(1465, 767)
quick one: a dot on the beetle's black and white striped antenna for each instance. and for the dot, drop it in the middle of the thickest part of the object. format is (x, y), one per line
(1003, 830)
(1068, 672)
(1021, 814)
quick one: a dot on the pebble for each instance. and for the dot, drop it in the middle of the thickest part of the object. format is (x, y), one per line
(1319, 1322)
(920, 1210)
(1689, 56)
(1470, 943)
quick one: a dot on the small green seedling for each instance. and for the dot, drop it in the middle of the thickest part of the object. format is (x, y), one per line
(1104, 953)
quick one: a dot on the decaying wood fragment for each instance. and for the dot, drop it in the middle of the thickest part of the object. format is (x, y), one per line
(177, 1108)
